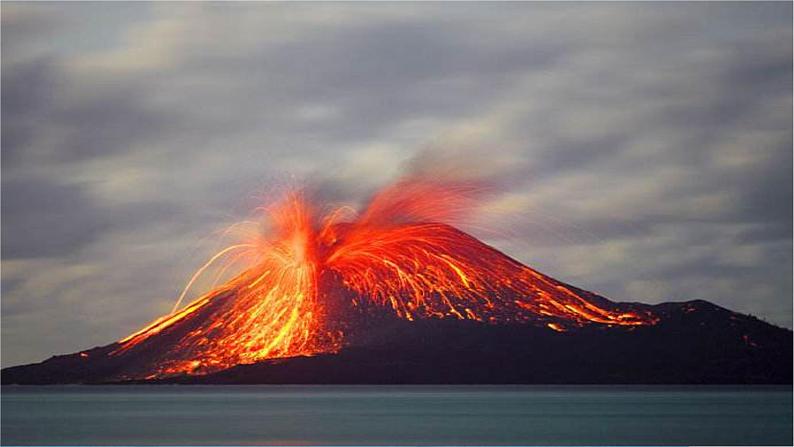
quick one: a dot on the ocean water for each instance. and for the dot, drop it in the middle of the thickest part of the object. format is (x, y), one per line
(289, 415)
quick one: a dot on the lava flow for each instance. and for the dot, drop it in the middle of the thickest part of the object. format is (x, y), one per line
(306, 277)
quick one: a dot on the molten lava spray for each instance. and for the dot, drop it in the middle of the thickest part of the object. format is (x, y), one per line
(310, 271)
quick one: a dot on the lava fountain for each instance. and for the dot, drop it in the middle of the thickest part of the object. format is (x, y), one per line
(310, 273)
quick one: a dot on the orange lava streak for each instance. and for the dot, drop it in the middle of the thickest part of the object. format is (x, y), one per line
(203, 268)
(434, 270)
(397, 255)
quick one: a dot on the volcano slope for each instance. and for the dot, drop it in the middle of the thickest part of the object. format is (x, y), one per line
(395, 296)
(694, 342)
(552, 334)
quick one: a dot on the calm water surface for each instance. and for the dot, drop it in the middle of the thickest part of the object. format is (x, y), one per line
(545, 415)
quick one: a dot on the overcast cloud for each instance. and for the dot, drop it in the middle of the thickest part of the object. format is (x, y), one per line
(642, 151)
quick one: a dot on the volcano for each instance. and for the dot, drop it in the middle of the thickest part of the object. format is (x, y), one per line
(397, 294)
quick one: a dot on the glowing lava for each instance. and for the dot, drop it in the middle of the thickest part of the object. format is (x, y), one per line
(310, 271)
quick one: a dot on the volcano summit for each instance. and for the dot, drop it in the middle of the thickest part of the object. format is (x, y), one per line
(396, 294)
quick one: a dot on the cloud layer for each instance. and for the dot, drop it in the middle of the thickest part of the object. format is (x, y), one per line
(642, 151)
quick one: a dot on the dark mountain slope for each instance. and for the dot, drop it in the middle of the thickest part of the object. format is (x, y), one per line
(695, 342)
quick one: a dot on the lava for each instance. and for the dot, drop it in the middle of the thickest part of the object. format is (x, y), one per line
(308, 270)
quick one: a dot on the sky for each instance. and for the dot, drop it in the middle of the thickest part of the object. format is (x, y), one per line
(639, 150)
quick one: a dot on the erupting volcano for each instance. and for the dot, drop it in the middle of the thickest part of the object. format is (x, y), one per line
(312, 282)
(310, 273)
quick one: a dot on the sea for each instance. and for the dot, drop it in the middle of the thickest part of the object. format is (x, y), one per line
(396, 415)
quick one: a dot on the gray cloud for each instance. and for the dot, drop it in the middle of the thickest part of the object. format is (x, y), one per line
(639, 150)
(43, 219)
